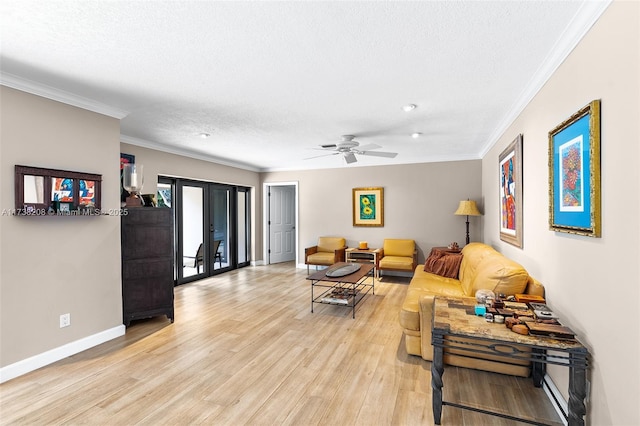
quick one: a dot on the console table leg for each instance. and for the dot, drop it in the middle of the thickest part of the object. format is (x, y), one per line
(437, 370)
(538, 369)
(577, 390)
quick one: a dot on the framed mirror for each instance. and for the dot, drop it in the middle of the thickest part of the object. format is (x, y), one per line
(42, 191)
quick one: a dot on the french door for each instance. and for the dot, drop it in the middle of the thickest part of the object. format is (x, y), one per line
(212, 227)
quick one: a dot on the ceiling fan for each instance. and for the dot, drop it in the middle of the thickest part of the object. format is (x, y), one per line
(349, 147)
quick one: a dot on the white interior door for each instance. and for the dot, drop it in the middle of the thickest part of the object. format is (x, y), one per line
(282, 221)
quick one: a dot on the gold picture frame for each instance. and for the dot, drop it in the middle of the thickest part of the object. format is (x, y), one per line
(368, 206)
(510, 162)
(574, 173)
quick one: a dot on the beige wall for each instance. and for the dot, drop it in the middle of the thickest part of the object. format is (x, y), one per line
(593, 283)
(55, 265)
(157, 163)
(419, 201)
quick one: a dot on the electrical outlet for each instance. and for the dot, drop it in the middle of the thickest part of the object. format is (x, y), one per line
(65, 320)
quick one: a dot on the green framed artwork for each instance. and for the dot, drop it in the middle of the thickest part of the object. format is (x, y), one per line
(368, 206)
(574, 173)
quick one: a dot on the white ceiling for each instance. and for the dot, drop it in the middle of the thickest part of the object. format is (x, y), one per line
(270, 81)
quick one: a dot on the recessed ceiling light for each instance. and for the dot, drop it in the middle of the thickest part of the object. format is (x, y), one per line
(416, 135)
(204, 135)
(409, 107)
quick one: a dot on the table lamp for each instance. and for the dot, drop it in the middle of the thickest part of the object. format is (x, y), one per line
(467, 208)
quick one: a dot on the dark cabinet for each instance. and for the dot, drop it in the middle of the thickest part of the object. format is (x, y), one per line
(147, 263)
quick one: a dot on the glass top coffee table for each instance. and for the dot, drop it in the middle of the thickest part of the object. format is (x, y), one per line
(456, 327)
(347, 290)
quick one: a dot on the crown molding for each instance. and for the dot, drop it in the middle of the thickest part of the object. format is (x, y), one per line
(184, 152)
(433, 159)
(29, 86)
(585, 18)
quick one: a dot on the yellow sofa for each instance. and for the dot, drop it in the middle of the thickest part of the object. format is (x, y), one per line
(482, 267)
(328, 251)
(397, 255)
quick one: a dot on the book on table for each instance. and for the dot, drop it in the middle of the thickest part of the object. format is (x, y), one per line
(340, 296)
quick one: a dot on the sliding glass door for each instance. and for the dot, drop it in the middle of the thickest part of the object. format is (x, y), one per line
(212, 226)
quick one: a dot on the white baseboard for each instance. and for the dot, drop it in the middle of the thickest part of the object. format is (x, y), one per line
(37, 361)
(556, 398)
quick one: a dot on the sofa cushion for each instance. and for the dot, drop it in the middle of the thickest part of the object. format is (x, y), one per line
(473, 255)
(443, 263)
(330, 244)
(500, 275)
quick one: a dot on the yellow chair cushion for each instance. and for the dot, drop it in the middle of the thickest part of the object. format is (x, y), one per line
(321, 258)
(399, 248)
(396, 262)
(330, 244)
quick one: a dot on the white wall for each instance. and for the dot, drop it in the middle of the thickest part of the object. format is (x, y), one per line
(419, 201)
(593, 283)
(55, 265)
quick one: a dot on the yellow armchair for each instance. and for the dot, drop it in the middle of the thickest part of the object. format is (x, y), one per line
(329, 250)
(398, 255)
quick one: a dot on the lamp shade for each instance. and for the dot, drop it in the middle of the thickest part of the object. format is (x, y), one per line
(467, 208)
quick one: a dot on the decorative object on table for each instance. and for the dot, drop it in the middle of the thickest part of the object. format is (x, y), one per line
(132, 180)
(124, 159)
(341, 270)
(510, 162)
(149, 200)
(453, 246)
(368, 206)
(467, 208)
(574, 173)
(362, 245)
(482, 295)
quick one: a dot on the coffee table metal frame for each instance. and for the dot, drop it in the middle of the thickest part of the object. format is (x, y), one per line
(354, 282)
(567, 353)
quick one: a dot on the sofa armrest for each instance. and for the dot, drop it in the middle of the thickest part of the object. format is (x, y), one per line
(340, 254)
(534, 287)
(426, 317)
(309, 251)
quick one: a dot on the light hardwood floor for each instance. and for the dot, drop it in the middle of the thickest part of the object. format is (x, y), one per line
(245, 349)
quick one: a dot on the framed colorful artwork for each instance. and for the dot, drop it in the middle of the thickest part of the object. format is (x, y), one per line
(368, 206)
(510, 162)
(574, 173)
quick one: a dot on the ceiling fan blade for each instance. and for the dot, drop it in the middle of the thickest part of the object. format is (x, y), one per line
(379, 154)
(323, 155)
(349, 157)
(331, 145)
(368, 147)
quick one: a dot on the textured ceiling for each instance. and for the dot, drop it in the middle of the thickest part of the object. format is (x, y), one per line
(270, 81)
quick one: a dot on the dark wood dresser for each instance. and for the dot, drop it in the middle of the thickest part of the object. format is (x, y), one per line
(147, 263)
